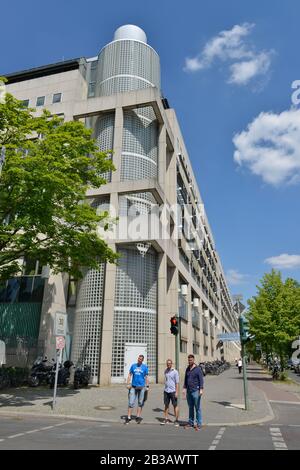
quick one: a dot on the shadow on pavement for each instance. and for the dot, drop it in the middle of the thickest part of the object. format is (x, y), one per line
(27, 396)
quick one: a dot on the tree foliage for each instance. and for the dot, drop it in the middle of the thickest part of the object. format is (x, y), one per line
(274, 313)
(49, 165)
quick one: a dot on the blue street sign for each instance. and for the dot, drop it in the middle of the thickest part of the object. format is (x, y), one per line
(235, 336)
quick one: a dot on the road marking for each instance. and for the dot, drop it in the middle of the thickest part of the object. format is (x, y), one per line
(277, 439)
(34, 430)
(216, 440)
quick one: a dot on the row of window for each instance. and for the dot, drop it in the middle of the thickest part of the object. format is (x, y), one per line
(40, 101)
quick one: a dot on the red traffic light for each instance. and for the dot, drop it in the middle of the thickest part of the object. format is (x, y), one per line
(174, 325)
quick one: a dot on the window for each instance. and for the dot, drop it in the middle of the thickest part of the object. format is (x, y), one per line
(40, 101)
(183, 346)
(25, 103)
(56, 98)
(91, 91)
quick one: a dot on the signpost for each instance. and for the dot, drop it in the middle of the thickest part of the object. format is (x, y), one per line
(60, 333)
(234, 336)
(239, 308)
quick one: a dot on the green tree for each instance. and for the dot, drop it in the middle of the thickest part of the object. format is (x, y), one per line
(274, 314)
(44, 214)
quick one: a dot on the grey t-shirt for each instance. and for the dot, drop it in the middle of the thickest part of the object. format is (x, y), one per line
(171, 379)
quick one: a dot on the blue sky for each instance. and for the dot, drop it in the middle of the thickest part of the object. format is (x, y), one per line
(224, 65)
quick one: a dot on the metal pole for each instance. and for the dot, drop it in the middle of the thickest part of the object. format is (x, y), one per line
(177, 345)
(58, 361)
(247, 407)
(245, 382)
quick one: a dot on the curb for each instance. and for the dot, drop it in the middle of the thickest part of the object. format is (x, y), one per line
(100, 420)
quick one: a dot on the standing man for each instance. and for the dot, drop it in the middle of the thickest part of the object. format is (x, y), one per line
(193, 390)
(171, 391)
(240, 365)
(137, 382)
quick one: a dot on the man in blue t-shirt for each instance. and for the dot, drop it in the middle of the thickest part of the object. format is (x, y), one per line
(138, 376)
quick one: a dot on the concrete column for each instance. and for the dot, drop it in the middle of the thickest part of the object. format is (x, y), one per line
(108, 313)
(117, 144)
(163, 317)
(190, 332)
(54, 300)
(162, 155)
(172, 308)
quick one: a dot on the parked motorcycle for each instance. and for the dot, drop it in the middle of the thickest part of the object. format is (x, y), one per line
(82, 376)
(63, 374)
(275, 371)
(40, 371)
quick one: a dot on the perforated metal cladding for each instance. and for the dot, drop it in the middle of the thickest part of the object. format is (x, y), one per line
(127, 65)
(105, 134)
(135, 313)
(88, 320)
(140, 144)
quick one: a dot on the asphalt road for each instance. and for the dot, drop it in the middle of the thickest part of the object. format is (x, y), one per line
(294, 376)
(283, 433)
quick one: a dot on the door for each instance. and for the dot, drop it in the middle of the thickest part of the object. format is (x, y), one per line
(132, 351)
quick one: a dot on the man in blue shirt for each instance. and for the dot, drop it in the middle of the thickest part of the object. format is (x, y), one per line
(138, 376)
(193, 389)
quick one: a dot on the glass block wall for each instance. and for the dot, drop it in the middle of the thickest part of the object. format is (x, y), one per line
(88, 321)
(140, 144)
(104, 134)
(135, 312)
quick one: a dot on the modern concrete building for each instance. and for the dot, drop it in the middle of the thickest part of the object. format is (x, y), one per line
(169, 264)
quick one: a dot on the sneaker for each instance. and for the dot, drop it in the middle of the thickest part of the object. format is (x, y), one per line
(188, 426)
(197, 427)
(138, 420)
(165, 421)
(127, 420)
(176, 424)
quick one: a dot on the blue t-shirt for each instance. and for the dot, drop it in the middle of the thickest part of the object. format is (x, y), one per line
(138, 374)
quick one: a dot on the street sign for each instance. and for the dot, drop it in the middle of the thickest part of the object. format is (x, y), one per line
(60, 342)
(234, 336)
(60, 324)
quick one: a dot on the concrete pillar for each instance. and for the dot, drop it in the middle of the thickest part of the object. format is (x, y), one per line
(108, 313)
(163, 317)
(117, 144)
(162, 155)
(190, 332)
(54, 300)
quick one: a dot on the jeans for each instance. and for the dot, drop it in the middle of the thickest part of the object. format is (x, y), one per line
(136, 394)
(194, 402)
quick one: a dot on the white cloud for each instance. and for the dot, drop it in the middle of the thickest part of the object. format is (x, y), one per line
(230, 46)
(270, 147)
(243, 72)
(235, 278)
(284, 261)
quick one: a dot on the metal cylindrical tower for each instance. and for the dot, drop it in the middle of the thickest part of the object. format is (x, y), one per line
(127, 63)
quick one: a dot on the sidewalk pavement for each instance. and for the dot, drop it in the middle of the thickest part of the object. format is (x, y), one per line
(222, 402)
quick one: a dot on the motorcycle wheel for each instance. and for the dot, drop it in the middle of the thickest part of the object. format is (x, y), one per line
(34, 381)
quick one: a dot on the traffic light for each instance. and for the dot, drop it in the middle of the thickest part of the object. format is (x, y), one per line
(244, 330)
(174, 325)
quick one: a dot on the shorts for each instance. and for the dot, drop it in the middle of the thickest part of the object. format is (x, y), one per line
(136, 394)
(170, 396)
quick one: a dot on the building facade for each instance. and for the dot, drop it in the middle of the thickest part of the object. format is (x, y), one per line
(168, 261)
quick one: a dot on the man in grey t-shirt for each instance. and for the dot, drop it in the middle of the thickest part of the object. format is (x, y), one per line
(171, 391)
